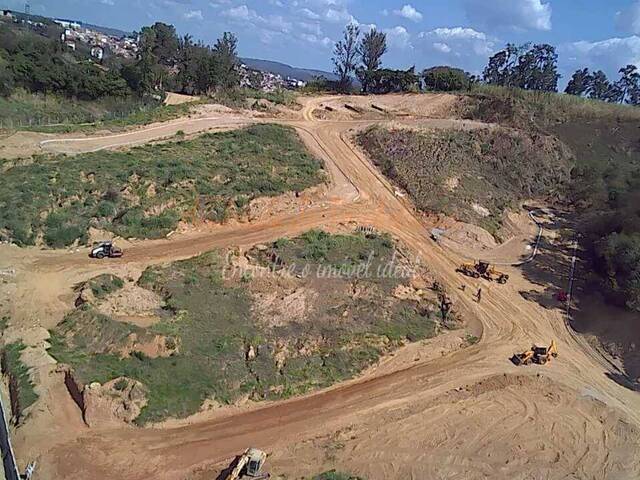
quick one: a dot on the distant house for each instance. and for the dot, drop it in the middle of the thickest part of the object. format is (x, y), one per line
(64, 23)
(97, 52)
(70, 45)
(6, 13)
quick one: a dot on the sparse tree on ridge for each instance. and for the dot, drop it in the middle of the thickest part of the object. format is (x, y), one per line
(579, 83)
(599, 86)
(529, 67)
(226, 54)
(501, 66)
(345, 54)
(629, 83)
(372, 47)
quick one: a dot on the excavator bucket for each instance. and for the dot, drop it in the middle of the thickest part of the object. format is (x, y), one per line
(524, 358)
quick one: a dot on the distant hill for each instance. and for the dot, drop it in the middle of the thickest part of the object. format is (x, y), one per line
(113, 32)
(285, 70)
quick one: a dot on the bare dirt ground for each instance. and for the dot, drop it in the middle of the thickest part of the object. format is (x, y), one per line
(461, 413)
(179, 99)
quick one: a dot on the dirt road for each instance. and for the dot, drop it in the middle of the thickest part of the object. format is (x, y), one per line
(470, 414)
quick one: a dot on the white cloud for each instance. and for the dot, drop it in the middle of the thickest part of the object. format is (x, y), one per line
(442, 47)
(324, 42)
(608, 55)
(193, 15)
(628, 20)
(248, 17)
(409, 12)
(339, 16)
(512, 14)
(457, 46)
(241, 12)
(310, 14)
(107, 2)
(398, 37)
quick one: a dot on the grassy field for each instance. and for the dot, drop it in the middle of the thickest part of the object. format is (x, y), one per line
(524, 108)
(335, 475)
(12, 365)
(448, 171)
(145, 191)
(212, 323)
(54, 114)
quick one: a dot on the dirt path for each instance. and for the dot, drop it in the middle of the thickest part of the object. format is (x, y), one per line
(452, 417)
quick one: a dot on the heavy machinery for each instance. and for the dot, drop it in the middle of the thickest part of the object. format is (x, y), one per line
(249, 465)
(543, 355)
(484, 270)
(538, 355)
(105, 249)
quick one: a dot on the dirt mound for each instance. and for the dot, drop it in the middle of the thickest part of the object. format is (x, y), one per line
(386, 106)
(133, 304)
(178, 99)
(117, 401)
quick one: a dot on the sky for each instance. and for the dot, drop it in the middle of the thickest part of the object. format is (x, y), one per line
(597, 34)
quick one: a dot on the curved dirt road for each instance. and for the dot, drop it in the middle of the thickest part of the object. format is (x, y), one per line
(470, 414)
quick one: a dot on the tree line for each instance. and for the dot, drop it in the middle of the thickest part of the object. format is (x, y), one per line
(528, 66)
(361, 56)
(35, 59)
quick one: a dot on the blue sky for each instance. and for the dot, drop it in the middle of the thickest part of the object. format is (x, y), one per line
(464, 33)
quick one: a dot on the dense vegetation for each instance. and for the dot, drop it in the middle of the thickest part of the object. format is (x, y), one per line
(605, 178)
(450, 171)
(210, 325)
(145, 191)
(38, 62)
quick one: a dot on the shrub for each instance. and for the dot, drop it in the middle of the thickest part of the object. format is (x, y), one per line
(446, 79)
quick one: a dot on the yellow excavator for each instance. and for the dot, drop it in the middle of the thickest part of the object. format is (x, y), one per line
(484, 270)
(538, 355)
(249, 465)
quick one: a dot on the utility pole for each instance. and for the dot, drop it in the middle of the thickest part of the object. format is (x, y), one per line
(27, 8)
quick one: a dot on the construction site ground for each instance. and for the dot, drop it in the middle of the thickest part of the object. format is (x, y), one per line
(436, 409)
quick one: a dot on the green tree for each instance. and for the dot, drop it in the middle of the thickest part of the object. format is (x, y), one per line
(629, 82)
(579, 83)
(387, 81)
(345, 54)
(226, 61)
(446, 79)
(162, 41)
(372, 47)
(501, 67)
(599, 86)
(529, 67)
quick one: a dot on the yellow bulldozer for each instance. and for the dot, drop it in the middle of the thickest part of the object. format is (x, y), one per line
(249, 464)
(538, 355)
(484, 270)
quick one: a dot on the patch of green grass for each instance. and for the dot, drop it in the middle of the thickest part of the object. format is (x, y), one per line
(14, 366)
(336, 475)
(54, 114)
(145, 191)
(472, 339)
(319, 247)
(518, 107)
(104, 285)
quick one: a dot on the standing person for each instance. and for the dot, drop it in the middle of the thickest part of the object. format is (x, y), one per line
(479, 295)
